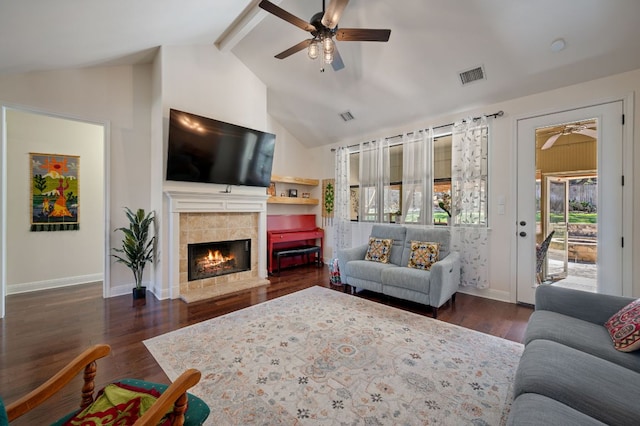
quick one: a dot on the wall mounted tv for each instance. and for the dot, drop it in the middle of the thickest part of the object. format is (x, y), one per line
(206, 150)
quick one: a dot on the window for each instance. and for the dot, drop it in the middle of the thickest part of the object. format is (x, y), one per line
(441, 180)
(393, 191)
(383, 169)
(354, 184)
(376, 183)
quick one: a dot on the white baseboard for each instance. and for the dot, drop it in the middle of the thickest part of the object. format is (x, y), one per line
(55, 283)
(121, 290)
(126, 289)
(502, 296)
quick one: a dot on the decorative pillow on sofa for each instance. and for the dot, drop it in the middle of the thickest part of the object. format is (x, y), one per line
(423, 255)
(624, 327)
(379, 249)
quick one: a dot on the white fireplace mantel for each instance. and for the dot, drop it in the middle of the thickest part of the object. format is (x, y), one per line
(220, 202)
(184, 201)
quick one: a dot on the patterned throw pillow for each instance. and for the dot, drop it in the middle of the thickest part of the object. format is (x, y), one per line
(423, 255)
(624, 327)
(379, 250)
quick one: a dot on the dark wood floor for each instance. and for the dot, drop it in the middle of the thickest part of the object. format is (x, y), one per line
(42, 331)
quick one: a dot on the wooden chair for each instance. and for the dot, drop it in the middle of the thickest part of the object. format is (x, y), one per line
(187, 409)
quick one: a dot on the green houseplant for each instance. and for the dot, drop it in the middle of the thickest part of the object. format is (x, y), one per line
(138, 246)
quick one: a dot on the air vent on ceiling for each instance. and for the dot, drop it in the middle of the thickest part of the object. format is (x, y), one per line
(472, 75)
(347, 116)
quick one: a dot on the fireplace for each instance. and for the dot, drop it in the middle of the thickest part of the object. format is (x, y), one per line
(199, 217)
(216, 258)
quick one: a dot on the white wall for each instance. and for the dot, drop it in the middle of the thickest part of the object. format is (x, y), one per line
(502, 168)
(38, 260)
(210, 83)
(134, 101)
(207, 82)
(118, 96)
(292, 158)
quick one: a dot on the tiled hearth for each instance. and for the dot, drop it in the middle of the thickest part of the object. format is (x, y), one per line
(198, 218)
(205, 227)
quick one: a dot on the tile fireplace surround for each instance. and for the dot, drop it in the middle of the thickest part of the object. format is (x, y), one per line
(203, 217)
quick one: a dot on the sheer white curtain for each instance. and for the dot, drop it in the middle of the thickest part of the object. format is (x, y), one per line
(374, 179)
(342, 225)
(417, 149)
(469, 180)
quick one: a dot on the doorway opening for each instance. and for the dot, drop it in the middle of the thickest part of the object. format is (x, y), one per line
(39, 145)
(613, 165)
(567, 204)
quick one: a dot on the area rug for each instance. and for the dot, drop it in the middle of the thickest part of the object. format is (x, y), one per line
(319, 356)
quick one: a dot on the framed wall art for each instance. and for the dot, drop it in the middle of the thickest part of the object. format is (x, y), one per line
(54, 192)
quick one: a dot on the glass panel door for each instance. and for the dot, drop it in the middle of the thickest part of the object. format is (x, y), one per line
(557, 263)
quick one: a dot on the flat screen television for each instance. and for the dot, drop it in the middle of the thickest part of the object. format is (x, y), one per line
(202, 149)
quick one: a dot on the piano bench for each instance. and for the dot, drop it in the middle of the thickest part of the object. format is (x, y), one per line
(298, 251)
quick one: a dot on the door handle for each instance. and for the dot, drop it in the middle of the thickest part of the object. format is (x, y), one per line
(523, 234)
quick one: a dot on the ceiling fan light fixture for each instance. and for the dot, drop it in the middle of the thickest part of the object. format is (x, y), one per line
(322, 27)
(327, 45)
(314, 50)
(328, 57)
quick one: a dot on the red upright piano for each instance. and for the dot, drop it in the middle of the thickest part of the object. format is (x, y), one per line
(288, 231)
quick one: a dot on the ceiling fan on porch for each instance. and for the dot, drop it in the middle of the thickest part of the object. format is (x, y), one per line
(587, 129)
(323, 27)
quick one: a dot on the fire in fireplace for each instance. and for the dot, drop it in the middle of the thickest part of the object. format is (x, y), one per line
(218, 258)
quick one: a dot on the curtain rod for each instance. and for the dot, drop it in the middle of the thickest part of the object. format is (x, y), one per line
(494, 115)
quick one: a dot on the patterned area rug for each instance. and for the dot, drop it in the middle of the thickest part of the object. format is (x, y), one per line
(319, 356)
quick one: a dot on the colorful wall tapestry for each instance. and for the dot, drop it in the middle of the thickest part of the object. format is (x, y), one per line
(54, 192)
(328, 198)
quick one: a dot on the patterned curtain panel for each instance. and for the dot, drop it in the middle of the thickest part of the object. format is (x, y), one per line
(469, 179)
(417, 149)
(473, 245)
(469, 172)
(342, 224)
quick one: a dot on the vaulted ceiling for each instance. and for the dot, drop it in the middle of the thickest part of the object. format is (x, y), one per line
(413, 76)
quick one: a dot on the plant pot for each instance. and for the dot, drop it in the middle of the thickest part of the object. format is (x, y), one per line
(139, 295)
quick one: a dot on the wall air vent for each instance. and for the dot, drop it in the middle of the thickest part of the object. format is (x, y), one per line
(472, 75)
(347, 116)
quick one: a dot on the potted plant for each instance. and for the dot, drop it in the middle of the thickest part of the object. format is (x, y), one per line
(138, 246)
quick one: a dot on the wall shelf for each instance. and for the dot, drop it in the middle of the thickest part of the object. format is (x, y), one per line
(293, 200)
(295, 180)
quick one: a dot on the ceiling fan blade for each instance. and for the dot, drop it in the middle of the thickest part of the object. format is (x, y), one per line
(549, 143)
(290, 51)
(283, 14)
(337, 63)
(332, 14)
(362, 34)
(592, 133)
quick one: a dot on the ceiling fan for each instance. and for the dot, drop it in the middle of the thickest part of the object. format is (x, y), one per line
(323, 27)
(583, 129)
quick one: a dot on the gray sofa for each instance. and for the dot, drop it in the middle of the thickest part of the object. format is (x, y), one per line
(570, 373)
(433, 288)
